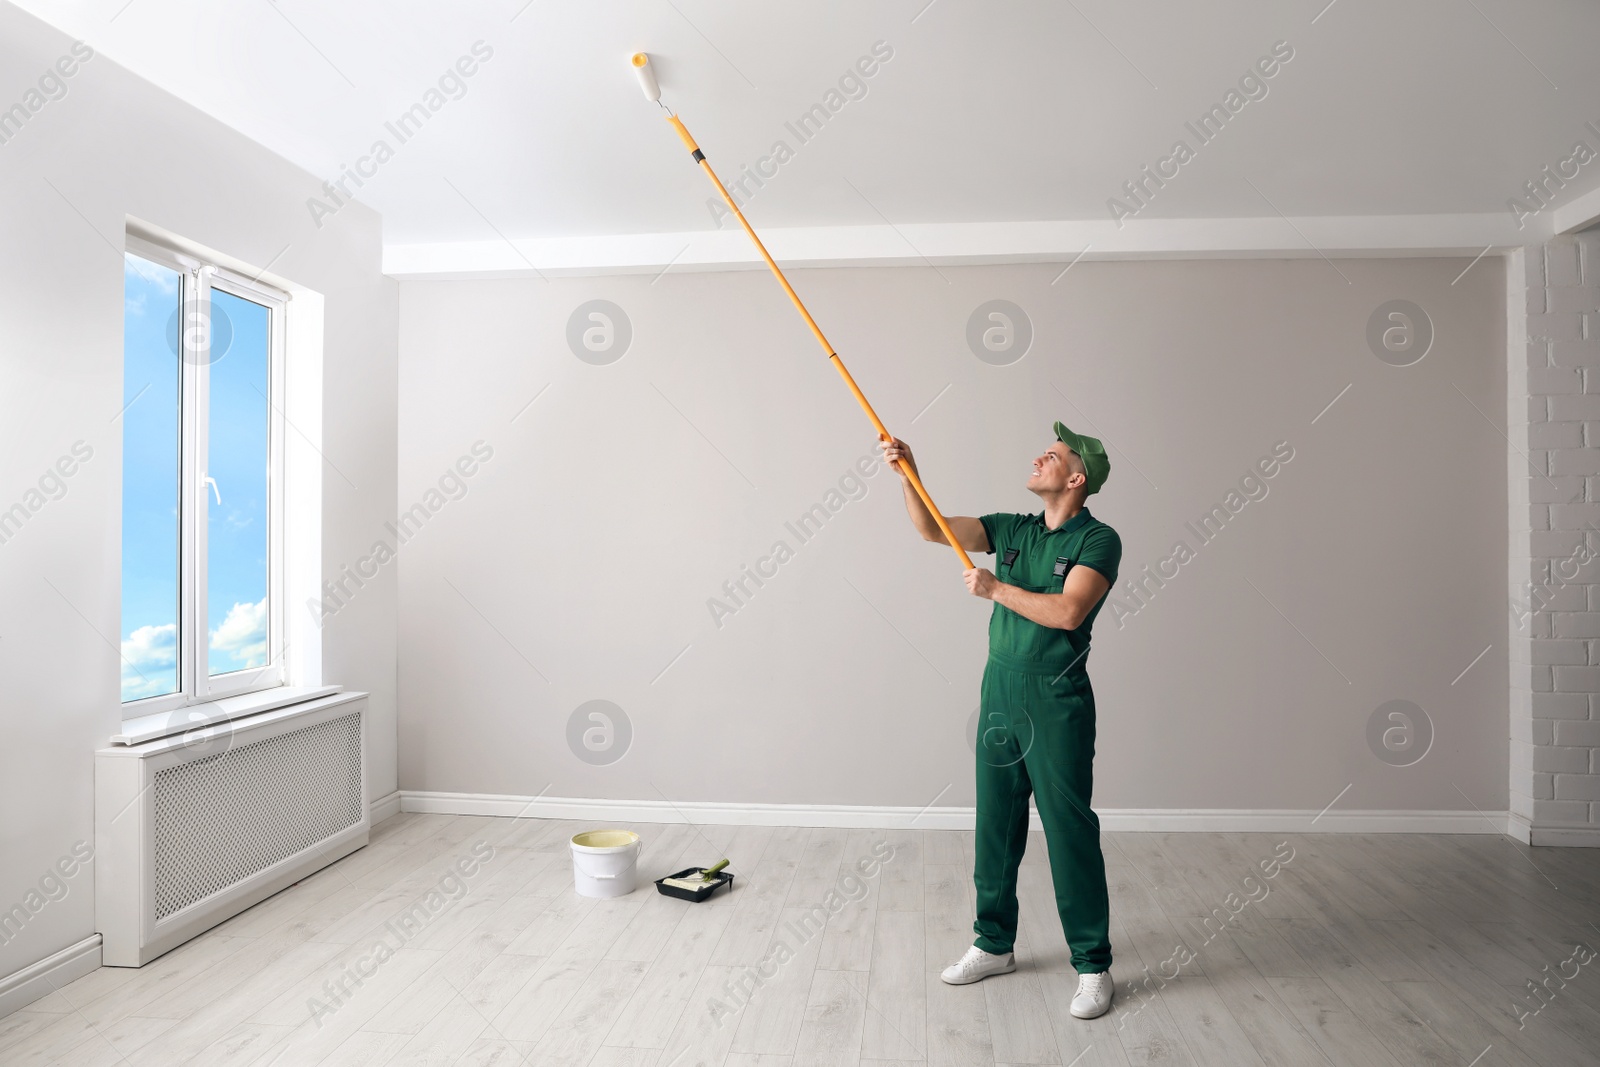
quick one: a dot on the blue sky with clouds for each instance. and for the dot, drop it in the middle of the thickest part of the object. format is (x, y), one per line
(236, 528)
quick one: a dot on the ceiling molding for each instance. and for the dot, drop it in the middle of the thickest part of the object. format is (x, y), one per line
(976, 243)
(1581, 214)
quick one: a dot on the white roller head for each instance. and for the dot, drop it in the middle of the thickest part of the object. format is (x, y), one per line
(647, 76)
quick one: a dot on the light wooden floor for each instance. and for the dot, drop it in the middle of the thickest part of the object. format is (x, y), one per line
(1372, 950)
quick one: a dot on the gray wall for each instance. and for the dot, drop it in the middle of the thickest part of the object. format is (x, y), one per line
(114, 147)
(580, 559)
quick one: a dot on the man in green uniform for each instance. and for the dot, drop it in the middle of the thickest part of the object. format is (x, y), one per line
(1036, 711)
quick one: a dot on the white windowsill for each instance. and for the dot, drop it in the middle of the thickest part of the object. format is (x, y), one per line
(198, 716)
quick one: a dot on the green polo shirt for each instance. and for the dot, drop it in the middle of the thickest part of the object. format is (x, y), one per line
(1081, 541)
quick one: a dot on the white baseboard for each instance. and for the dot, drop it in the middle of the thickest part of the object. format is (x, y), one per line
(384, 807)
(1158, 820)
(1568, 837)
(39, 980)
(1552, 836)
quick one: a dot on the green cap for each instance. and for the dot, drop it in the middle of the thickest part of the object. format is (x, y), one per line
(1096, 465)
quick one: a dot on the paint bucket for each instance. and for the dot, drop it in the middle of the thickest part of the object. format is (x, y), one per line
(605, 863)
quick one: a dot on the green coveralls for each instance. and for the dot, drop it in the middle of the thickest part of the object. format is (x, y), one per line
(1036, 735)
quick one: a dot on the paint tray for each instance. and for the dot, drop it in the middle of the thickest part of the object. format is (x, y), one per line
(718, 880)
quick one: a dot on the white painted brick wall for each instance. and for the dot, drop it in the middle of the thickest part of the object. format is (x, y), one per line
(1553, 406)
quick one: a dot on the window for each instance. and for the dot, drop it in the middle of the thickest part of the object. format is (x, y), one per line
(202, 462)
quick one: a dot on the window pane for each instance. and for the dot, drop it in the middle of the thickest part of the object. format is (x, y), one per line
(152, 385)
(237, 464)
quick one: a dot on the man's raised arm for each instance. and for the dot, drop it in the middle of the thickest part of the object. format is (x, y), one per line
(967, 529)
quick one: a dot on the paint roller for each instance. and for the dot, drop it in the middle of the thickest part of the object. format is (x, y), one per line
(647, 76)
(644, 70)
(698, 882)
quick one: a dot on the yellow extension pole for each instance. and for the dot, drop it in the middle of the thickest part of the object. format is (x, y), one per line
(838, 364)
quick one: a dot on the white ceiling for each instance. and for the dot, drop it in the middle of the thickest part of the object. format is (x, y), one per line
(988, 111)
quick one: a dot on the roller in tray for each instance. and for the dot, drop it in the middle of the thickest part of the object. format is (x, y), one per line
(695, 883)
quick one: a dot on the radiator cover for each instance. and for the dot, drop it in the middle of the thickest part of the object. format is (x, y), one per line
(193, 830)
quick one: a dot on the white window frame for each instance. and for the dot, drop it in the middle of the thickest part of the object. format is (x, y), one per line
(196, 684)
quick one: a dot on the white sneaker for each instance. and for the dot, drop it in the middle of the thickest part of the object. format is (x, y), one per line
(978, 964)
(1094, 995)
